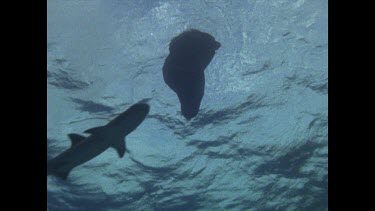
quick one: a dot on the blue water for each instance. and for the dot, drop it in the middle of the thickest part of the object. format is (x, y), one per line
(260, 139)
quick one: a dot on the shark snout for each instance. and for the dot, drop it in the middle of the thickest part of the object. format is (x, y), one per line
(140, 110)
(143, 108)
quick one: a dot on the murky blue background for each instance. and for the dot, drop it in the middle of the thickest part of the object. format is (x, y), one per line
(259, 141)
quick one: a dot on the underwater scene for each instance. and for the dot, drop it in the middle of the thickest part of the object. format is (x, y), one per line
(187, 105)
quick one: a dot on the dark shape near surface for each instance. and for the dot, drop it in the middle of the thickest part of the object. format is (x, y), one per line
(183, 70)
(101, 138)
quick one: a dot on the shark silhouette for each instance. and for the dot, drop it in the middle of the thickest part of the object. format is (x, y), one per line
(84, 149)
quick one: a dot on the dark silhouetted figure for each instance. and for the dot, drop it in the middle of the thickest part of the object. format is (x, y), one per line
(183, 70)
(112, 134)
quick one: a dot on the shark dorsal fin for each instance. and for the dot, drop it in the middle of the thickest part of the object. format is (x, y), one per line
(75, 138)
(95, 130)
(120, 148)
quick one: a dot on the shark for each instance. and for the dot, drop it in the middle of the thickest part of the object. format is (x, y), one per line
(101, 138)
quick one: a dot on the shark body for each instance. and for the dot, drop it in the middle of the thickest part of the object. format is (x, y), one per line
(84, 149)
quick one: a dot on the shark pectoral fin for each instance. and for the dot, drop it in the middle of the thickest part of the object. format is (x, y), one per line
(95, 130)
(120, 148)
(62, 175)
(75, 138)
